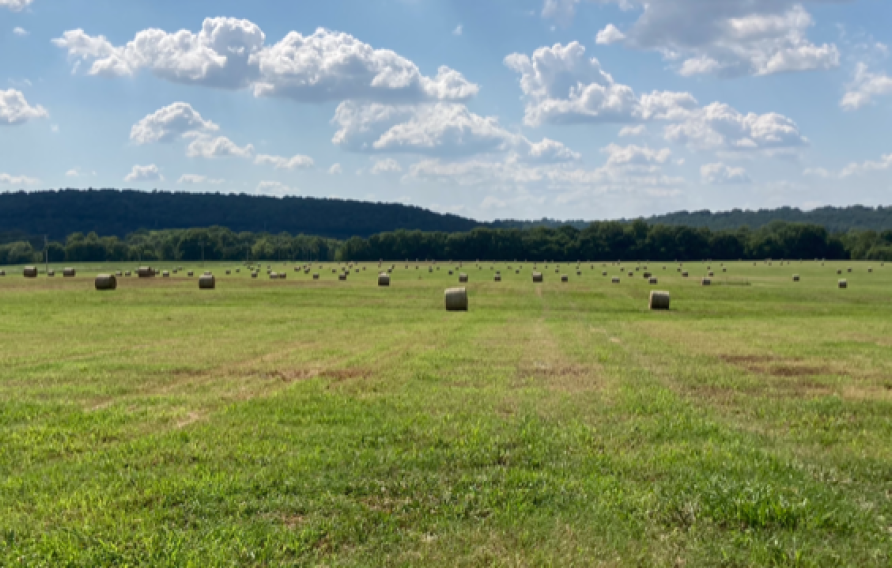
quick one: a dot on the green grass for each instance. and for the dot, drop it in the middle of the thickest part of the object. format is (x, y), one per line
(302, 422)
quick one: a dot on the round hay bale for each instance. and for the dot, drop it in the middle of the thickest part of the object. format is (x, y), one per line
(838, 272)
(463, 278)
(659, 300)
(604, 273)
(456, 299)
(795, 278)
(384, 279)
(706, 282)
(653, 281)
(684, 274)
(190, 274)
(647, 275)
(565, 278)
(273, 275)
(106, 282)
(631, 274)
(165, 274)
(228, 273)
(497, 278)
(710, 274)
(315, 277)
(283, 276)
(69, 273)
(127, 274)
(253, 275)
(538, 278)
(145, 272)
(578, 273)
(450, 273)
(843, 284)
(869, 270)
(2, 273)
(615, 280)
(207, 282)
(51, 273)
(30, 272)
(849, 270)
(342, 277)
(238, 270)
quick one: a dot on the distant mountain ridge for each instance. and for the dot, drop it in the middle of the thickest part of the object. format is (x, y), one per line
(58, 213)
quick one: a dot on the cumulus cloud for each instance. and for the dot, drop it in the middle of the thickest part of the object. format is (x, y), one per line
(14, 109)
(628, 131)
(720, 174)
(560, 10)
(720, 127)
(219, 147)
(6, 179)
(865, 88)
(635, 155)
(387, 166)
(335, 170)
(885, 163)
(15, 5)
(281, 163)
(144, 173)
(195, 179)
(21, 32)
(727, 37)
(171, 122)
(232, 54)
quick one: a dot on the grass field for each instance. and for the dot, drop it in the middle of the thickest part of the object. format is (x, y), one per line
(301, 422)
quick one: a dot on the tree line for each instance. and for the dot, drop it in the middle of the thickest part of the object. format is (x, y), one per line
(599, 241)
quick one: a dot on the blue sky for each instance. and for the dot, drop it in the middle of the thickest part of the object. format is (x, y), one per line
(487, 108)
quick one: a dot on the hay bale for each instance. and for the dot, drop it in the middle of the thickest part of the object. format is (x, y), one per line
(646, 275)
(69, 273)
(659, 300)
(706, 282)
(450, 273)
(253, 275)
(342, 277)
(228, 273)
(604, 273)
(565, 278)
(795, 278)
(838, 272)
(843, 284)
(384, 279)
(51, 273)
(684, 274)
(652, 281)
(456, 299)
(615, 280)
(537, 277)
(208, 273)
(497, 278)
(463, 278)
(631, 274)
(283, 276)
(127, 274)
(106, 282)
(273, 275)
(165, 274)
(30, 272)
(315, 276)
(869, 270)
(710, 274)
(849, 270)
(190, 274)
(207, 282)
(2, 273)
(145, 272)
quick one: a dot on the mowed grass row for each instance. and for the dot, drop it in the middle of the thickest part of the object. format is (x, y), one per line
(307, 422)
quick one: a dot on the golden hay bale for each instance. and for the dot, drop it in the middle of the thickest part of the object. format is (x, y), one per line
(456, 299)
(795, 278)
(706, 282)
(106, 282)
(615, 280)
(384, 279)
(273, 275)
(463, 278)
(538, 278)
(207, 282)
(652, 281)
(843, 284)
(69, 273)
(30, 272)
(165, 274)
(145, 272)
(659, 300)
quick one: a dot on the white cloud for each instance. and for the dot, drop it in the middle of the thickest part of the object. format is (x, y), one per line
(195, 179)
(275, 188)
(6, 179)
(171, 122)
(609, 35)
(548, 152)
(15, 5)
(78, 172)
(635, 155)
(144, 173)
(219, 147)
(21, 32)
(335, 170)
(14, 109)
(720, 174)
(818, 172)
(628, 131)
(281, 163)
(728, 37)
(232, 54)
(560, 10)
(458, 30)
(387, 166)
(866, 87)
(885, 163)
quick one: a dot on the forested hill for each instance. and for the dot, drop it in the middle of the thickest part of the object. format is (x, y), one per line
(834, 219)
(119, 212)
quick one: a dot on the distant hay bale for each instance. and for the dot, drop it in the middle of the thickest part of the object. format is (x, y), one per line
(537, 277)
(228, 272)
(342, 276)
(497, 278)
(315, 277)
(646, 275)
(652, 281)
(2, 273)
(869, 270)
(710, 274)
(843, 284)
(849, 270)
(51, 273)
(631, 274)
(207, 282)
(106, 282)
(253, 275)
(145, 272)
(615, 280)
(517, 272)
(604, 273)
(838, 272)
(384, 279)
(165, 274)
(127, 274)
(238, 270)
(273, 275)
(795, 278)
(190, 274)
(456, 299)
(208, 273)
(659, 300)
(30, 272)
(450, 273)
(283, 276)
(69, 273)
(724, 270)
(578, 273)
(565, 278)
(706, 282)
(463, 278)
(684, 274)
